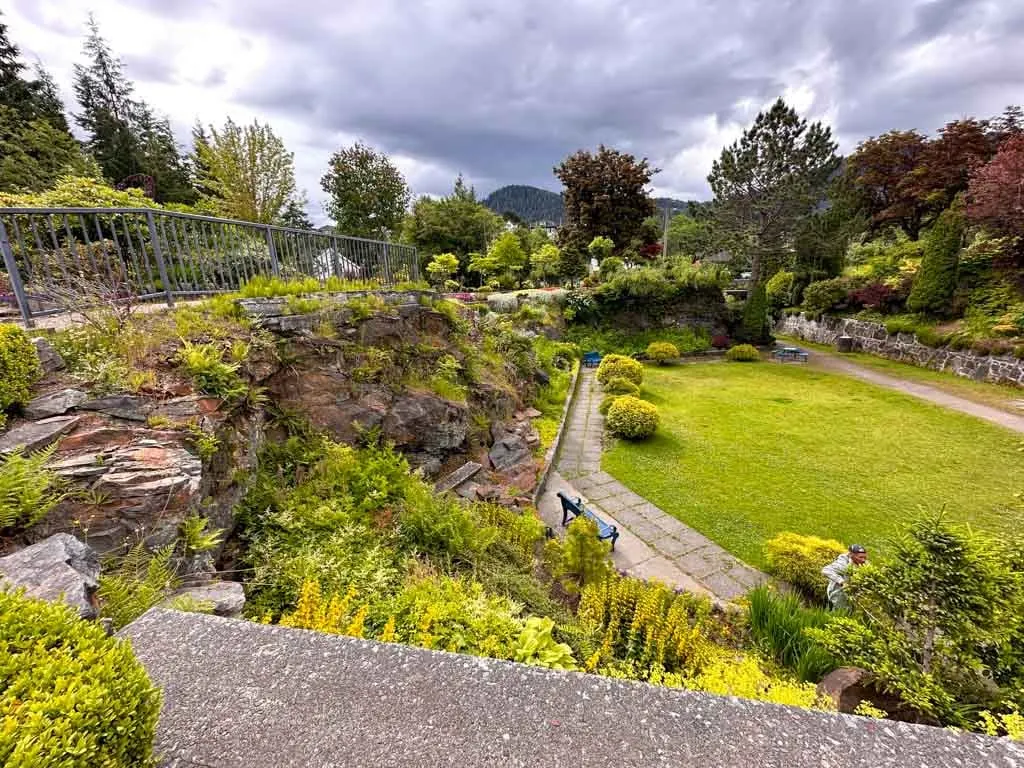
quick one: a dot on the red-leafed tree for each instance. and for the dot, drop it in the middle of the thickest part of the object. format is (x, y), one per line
(877, 173)
(945, 166)
(995, 197)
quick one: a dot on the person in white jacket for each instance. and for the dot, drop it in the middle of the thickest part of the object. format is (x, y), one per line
(838, 571)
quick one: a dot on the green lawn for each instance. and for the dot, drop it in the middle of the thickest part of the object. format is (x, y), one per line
(1005, 397)
(747, 450)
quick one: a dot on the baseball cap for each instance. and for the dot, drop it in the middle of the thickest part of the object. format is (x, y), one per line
(857, 549)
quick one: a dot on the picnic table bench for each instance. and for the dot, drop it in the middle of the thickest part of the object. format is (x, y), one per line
(782, 354)
(572, 509)
(591, 359)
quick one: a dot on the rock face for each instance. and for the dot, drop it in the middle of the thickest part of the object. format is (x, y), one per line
(58, 568)
(425, 423)
(508, 451)
(873, 338)
(55, 403)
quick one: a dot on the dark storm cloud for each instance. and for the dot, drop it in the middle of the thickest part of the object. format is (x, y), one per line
(503, 91)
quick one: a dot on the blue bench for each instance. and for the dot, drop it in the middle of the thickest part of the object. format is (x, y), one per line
(572, 509)
(591, 359)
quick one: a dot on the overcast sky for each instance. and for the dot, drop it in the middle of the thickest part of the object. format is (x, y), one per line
(502, 91)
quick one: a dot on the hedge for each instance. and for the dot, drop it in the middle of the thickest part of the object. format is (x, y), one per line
(798, 560)
(613, 366)
(743, 353)
(19, 368)
(69, 694)
(631, 418)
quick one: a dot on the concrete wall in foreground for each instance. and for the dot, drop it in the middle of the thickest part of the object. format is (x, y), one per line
(904, 347)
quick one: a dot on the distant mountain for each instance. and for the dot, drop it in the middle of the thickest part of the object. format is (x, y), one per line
(531, 204)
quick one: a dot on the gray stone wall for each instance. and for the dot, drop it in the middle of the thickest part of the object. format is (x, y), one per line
(904, 347)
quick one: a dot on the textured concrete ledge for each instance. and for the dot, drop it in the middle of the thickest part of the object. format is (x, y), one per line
(244, 695)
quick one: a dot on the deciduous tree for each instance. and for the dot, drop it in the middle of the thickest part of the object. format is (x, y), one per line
(996, 192)
(368, 194)
(249, 172)
(442, 267)
(545, 262)
(605, 195)
(768, 182)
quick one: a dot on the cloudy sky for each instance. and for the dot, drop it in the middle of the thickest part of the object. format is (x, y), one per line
(501, 91)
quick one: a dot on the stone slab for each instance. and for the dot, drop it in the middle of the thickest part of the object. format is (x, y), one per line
(55, 403)
(239, 694)
(458, 477)
(33, 435)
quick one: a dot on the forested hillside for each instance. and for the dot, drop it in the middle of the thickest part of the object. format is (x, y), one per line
(531, 204)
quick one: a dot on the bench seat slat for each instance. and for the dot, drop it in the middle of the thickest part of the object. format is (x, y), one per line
(576, 508)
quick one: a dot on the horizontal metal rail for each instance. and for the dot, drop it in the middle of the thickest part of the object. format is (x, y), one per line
(59, 259)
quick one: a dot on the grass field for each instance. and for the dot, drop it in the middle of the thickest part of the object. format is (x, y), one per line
(747, 450)
(1004, 397)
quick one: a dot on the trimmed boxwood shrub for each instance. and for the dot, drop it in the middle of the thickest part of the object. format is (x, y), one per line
(613, 366)
(743, 353)
(632, 418)
(662, 351)
(621, 386)
(798, 560)
(19, 368)
(69, 694)
(606, 403)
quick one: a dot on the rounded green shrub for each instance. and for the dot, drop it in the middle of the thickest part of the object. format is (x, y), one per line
(618, 385)
(606, 403)
(613, 366)
(743, 353)
(69, 694)
(19, 368)
(662, 351)
(631, 418)
(798, 560)
(824, 295)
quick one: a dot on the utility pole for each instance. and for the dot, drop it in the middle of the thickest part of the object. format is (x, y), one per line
(664, 237)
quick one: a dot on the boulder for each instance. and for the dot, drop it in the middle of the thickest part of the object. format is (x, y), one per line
(34, 435)
(468, 491)
(49, 358)
(228, 597)
(509, 451)
(424, 422)
(60, 568)
(845, 686)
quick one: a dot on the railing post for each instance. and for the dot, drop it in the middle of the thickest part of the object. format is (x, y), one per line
(275, 268)
(159, 256)
(15, 275)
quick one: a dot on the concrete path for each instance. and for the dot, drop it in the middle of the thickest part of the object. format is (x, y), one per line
(652, 543)
(837, 364)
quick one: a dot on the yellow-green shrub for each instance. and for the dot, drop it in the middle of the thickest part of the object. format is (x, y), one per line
(606, 403)
(19, 368)
(613, 366)
(632, 418)
(743, 353)
(662, 351)
(798, 560)
(69, 694)
(617, 385)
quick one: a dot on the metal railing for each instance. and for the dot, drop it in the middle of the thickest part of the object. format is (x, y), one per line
(139, 254)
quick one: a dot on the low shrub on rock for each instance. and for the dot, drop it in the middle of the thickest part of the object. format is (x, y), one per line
(631, 418)
(662, 351)
(69, 694)
(620, 366)
(621, 386)
(798, 560)
(19, 368)
(743, 353)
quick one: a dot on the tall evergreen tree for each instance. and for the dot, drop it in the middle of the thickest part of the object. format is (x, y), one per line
(770, 181)
(35, 143)
(123, 134)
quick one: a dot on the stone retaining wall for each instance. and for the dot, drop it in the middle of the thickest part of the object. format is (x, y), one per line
(874, 339)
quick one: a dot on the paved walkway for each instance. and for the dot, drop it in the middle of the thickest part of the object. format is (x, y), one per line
(652, 544)
(837, 364)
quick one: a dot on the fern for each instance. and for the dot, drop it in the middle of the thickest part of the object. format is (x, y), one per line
(138, 582)
(195, 537)
(28, 490)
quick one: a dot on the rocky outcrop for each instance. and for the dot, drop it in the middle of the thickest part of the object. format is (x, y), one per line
(55, 403)
(59, 568)
(34, 435)
(904, 347)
